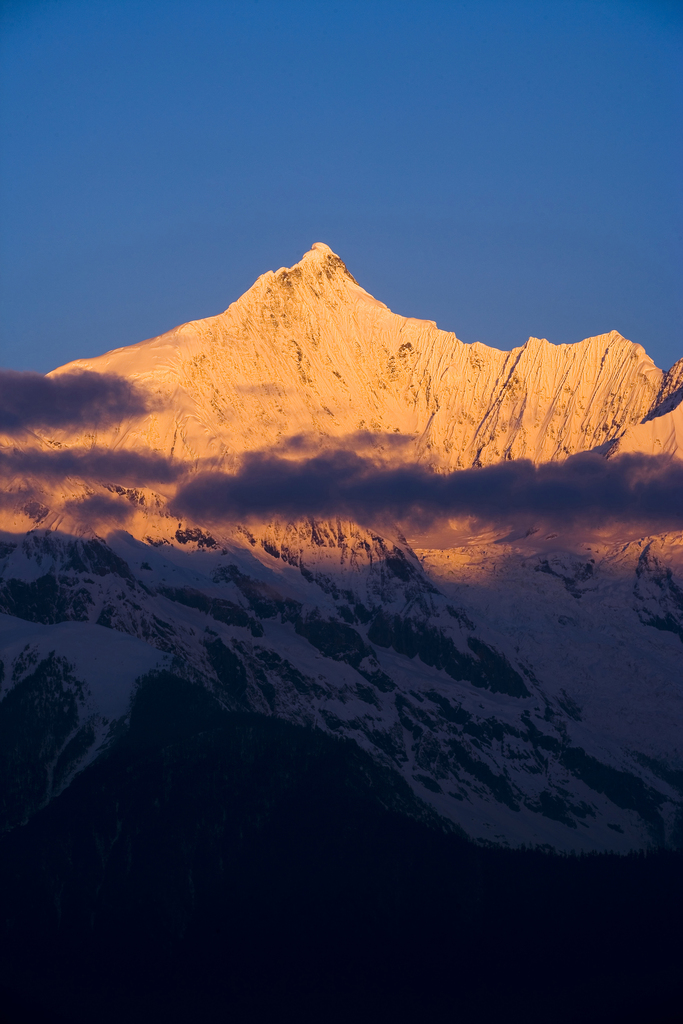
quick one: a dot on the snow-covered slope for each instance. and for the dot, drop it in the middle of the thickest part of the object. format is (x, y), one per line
(66, 693)
(530, 690)
(528, 697)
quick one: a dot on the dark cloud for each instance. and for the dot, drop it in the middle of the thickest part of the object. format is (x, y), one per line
(99, 506)
(360, 441)
(83, 399)
(118, 466)
(584, 489)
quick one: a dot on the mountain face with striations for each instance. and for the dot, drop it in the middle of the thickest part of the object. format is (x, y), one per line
(528, 689)
(307, 351)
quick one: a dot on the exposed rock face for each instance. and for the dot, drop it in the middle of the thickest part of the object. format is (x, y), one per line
(529, 690)
(671, 391)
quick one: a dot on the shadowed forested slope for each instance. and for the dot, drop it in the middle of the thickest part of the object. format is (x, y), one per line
(220, 866)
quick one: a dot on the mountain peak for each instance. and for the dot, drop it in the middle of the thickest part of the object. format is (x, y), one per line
(325, 261)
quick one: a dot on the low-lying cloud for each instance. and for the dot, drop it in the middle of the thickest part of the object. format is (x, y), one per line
(360, 441)
(83, 399)
(136, 469)
(98, 507)
(584, 489)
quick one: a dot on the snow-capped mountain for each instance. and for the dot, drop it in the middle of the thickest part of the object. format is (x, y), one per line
(307, 351)
(528, 688)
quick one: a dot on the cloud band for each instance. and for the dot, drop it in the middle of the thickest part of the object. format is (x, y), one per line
(83, 399)
(583, 488)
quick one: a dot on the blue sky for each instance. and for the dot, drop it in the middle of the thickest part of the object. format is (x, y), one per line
(504, 168)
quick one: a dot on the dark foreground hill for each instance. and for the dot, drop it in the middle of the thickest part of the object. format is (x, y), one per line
(214, 866)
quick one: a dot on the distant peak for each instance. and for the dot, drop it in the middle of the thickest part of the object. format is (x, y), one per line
(322, 247)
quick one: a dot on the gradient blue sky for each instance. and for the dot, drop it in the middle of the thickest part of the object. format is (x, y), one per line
(504, 168)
